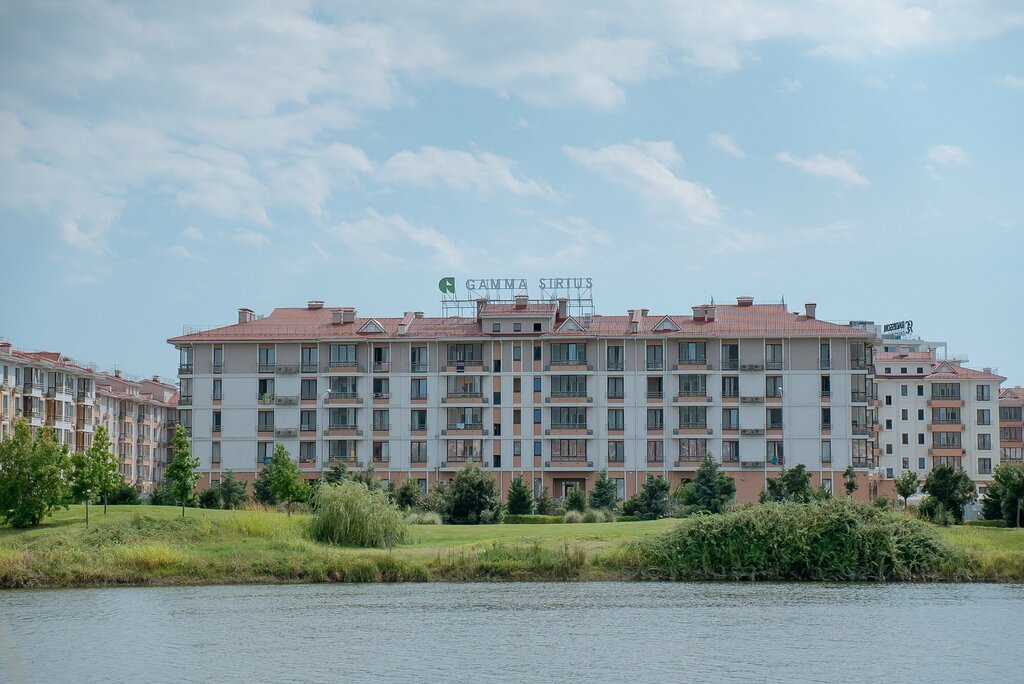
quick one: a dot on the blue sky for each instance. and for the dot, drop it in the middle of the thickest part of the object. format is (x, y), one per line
(163, 166)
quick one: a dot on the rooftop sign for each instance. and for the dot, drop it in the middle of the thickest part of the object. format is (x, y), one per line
(899, 328)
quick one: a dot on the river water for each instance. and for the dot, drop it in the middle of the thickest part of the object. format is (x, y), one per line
(593, 632)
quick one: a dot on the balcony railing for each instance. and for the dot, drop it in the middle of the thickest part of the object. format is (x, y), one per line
(569, 362)
(826, 426)
(185, 400)
(342, 395)
(825, 364)
(418, 427)
(857, 395)
(860, 429)
(655, 394)
(730, 364)
(465, 426)
(264, 427)
(382, 427)
(569, 394)
(693, 392)
(265, 398)
(339, 363)
(655, 365)
(752, 366)
(286, 369)
(656, 425)
(465, 395)
(693, 361)
(184, 369)
(381, 366)
(414, 396)
(826, 394)
(214, 428)
(310, 367)
(218, 368)
(266, 367)
(858, 364)
(381, 395)
(775, 426)
(616, 365)
(773, 365)
(693, 425)
(730, 458)
(568, 426)
(341, 426)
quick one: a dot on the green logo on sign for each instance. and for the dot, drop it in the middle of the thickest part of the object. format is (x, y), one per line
(446, 285)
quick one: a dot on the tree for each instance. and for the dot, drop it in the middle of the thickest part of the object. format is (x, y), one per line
(125, 495)
(408, 494)
(850, 476)
(33, 476)
(1008, 483)
(472, 497)
(262, 490)
(436, 499)
(284, 478)
(336, 473)
(711, 489)
(232, 491)
(210, 497)
(162, 495)
(575, 499)
(906, 485)
(950, 487)
(181, 473)
(108, 468)
(605, 493)
(368, 477)
(85, 479)
(542, 504)
(792, 484)
(519, 500)
(653, 500)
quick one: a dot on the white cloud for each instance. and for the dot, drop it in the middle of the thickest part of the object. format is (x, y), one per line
(828, 167)
(463, 171)
(192, 233)
(371, 236)
(791, 85)
(250, 238)
(645, 168)
(182, 252)
(946, 155)
(1012, 82)
(725, 143)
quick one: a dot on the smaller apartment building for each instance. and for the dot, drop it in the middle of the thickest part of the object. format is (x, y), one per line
(934, 411)
(48, 389)
(1011, 424)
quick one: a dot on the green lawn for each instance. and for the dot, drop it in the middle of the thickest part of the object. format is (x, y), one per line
(153, 545)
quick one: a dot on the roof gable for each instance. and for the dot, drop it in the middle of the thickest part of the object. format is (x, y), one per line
(666, 323)
(371, 326)
(570, 323)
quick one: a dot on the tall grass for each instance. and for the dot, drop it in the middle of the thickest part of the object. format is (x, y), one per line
(349, 514)
(836, 540)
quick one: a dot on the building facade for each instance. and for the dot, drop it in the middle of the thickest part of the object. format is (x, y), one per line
(48, 389)
(1011, 424)
(936, 411)
(523, 388)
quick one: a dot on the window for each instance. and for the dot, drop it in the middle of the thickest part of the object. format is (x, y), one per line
(265, 421)
(307, 452)
(568, 353)
(496, 327)
(904, 390)
(469, 354)
(984, 392)
(692, 416)
(267, 359)
(692, 450)
(984, 442)
(537, 448)
(730, 419)
(215, 427)
(616, 451)
(536, 327)
(888, 449)
(905, 438)
(888, 423)
(773, 453)
(920, 390)
(904, 414)
(569, 385)
(517, 327)
(920, 438)
(616, 419)
(264, 452)
(655, 356)
(773, 386)
(824, 356)
(381, 419)
(1011, 453)
(616, 387)
(730, 356)
(903, 371)
(517, 352)
(655, 452)
(343, 387)
(730, 386)
(569, 417)
(517, 448)
(921, 463)
(381, 388)
(1014, 413)
(568, 450)
(984, 416)
(826, 451)
(655, 419)
(517, 416)
(616, 357)
(418, 360)
(497, 365)
(307, 389)
(774, 418)
(888, 400)
(693, 385)
(773, 356)
(418, 452)
(517, 385)
(307, 421)
(826, 418)
(920, 414)
(343, 355)
(826, 386)
(418, 419)
(310, 359)
(730, 451)
(265, 390)
(1010, 434)
(984, 466)
(536, 384)
(218, 389)
(215, 452)
(946, 390)
(218, 359)
(464, 449)
(655, 387)
(418, 388)
(692, 353)
(537, 416)
(859, 454)
(496, 398)
(381, 452)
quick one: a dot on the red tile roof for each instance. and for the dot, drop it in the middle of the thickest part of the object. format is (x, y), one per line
(952, 370)
(758, 320)
(1011, 395)
(901, 356)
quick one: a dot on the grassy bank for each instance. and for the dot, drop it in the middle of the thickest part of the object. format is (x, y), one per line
(153, 545)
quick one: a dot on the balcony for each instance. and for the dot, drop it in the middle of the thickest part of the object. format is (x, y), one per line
(826, 426)
(418, 427)
(265, 398)
(730, 364)
(773, 365)
(464, 398)
(570, 398)
(185, 400)
(458, 365)
(691, 362)
(184, 369)
(858, 364)
(655, 458)
(858, 396)
(381, 367)
(775, 425)
(825, 364)
(580, 460)
(418, 396)
(693, 396)
(655, 394)
(342, 430)
(419, 367)
(343, 398)
(860, 429)
(692, 428)
(580, 364)
(751, 432)
(751, 400)
(215, 429)
(86, 396)
(568, 429)
(655, 365)
(826, 394)
(266, 367)
(218, 368)
(264, 427)
(381, 397)
(465, 427)
(343, 364)
(751, 366)
(616, 365)
(381, 427)
(286, 370)
(307, 427)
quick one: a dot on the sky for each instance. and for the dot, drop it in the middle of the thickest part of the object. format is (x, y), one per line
(163, 164)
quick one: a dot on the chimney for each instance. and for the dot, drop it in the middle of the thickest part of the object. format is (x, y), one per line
(744, 301)
(315, 304)
(246, 315)
(522, 301)
(810, 309)
(336, 316)
(699, 314)
(987, 370)
(348, 315)
(643, 312)
(563, 308)
(156, 378)
(5, 347)
(480, 303)
(709, 312)
(117, 372)
(634, 321)
(407, 320)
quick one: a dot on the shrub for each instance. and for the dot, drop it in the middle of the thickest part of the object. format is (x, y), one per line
(1007, 494)
(517, 519)
(835, 540)
(471, 494)
(573, 517)
(210, 497)
(934, 510)
(792, 484)
(232, 491)
(575, 499)
(542, 504)
(423, 518)
(436, 499)
(124, 495)
(519, 500)
(349, 514)
(407, 495)
(882, 503)
(605, 492)
(162, 495)
(631, 507)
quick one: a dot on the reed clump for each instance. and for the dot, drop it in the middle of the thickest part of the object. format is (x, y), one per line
(350, 514)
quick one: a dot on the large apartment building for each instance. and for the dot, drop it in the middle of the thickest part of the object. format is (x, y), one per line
(524, 388)
(49, 389)
(1011, 424)
(936, 411)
